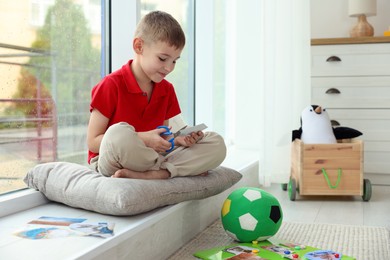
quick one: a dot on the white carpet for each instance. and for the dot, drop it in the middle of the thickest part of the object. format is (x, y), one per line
(361, 242)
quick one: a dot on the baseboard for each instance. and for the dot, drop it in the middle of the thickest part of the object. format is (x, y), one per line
(279, 179)
(378, 179)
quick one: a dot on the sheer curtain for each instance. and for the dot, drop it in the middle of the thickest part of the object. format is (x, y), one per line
(271, 83)
(286, 52)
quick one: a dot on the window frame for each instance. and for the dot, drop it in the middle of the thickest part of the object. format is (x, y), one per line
(118, 29)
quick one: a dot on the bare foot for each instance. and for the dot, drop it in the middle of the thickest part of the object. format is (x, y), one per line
(148, 175)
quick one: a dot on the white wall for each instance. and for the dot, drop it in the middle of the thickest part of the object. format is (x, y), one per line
(329, 19)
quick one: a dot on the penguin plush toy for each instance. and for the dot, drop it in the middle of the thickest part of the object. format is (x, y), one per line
(316, 128)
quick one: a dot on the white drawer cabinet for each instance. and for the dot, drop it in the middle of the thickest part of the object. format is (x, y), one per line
(351, 78)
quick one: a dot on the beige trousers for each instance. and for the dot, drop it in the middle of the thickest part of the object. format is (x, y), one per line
(122, 148)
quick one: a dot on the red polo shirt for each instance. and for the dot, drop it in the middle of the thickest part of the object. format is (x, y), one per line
(119, 98)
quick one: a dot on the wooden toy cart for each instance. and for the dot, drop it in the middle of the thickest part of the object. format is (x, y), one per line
(328, 169)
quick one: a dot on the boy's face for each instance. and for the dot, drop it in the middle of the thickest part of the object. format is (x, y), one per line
(158, 60)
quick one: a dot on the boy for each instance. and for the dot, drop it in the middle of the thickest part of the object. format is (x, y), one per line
(128, 105)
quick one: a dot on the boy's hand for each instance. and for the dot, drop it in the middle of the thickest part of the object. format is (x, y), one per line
(153, 140)
(189, 140)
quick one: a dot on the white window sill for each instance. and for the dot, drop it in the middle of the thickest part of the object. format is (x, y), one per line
(19, 208)
(20, 200)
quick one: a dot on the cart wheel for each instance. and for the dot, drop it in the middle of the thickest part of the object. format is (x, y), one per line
(367, 190)
(292, 189)
(284, 186)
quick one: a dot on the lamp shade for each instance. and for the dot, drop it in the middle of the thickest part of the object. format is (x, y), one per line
(360, 7)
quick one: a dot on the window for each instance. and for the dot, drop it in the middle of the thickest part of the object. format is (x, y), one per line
(49, 61)
(215, 61)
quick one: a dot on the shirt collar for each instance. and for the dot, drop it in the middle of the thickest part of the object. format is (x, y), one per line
(129, 79)
(132, 84)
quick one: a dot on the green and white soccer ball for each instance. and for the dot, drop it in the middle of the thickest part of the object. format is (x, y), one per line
(251, 214)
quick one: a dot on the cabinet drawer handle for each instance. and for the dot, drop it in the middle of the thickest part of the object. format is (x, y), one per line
(333, 91)
(334, 122)
(333, 58)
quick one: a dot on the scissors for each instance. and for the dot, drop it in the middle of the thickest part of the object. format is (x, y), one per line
(167, 133)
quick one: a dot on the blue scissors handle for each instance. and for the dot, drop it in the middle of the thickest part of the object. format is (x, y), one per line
(168, 132)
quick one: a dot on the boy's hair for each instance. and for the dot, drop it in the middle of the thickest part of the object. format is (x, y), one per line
(160, 26)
